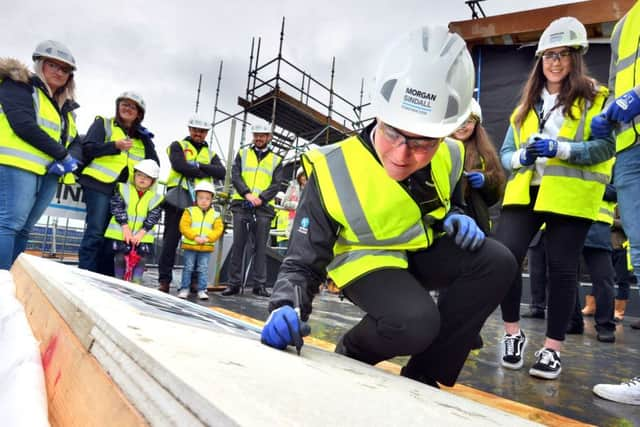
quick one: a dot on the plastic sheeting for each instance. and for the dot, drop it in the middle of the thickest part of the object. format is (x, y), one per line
(23, 396)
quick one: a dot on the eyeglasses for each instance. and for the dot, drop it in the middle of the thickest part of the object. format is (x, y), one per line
(396, 137)
(556, 56)
(58, 67)
(129, 105)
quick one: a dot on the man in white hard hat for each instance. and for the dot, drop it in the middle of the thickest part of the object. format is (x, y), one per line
(622, 116)
(381, 216)
(192, 162)
(257, 177)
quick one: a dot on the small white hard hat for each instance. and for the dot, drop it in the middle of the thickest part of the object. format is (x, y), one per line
(148, 167)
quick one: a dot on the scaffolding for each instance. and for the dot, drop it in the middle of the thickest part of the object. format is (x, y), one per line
(304, 113)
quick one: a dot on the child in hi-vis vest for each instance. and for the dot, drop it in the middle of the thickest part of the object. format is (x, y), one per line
(201, 227)
(135, 207)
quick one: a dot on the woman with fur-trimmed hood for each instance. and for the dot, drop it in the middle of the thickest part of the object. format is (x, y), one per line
(36, 127)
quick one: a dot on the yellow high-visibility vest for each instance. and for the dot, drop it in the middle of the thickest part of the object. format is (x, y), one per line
(625, 42)
(108, 168)
(190, 155)
(137, 210)
(257, 174)
(566, 188)
(379, 221)
(16, 152)
(201, 224)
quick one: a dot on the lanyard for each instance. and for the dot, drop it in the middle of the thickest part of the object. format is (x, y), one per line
(543, 119)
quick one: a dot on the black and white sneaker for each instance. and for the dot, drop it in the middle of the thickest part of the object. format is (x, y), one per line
(547, 365)
(513, 349)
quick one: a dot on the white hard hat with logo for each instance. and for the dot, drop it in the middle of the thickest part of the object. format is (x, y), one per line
(424, 83)
(205, 186)
(148, 167)
(135, 97)
(261, 128)
(199, 122)
(54, 50)
(566, 31)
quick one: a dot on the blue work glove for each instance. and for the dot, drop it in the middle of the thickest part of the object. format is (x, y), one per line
(69, 163)
(282, 329)
(467, 233)
(601, 126)
(625, 107)
(526, 158)
(476, 179)
(543, 148)
(56, 168)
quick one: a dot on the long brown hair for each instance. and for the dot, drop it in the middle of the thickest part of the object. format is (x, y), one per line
(478, 149)
(577, 84)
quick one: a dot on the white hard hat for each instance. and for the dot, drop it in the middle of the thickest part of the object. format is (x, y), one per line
(205, 186)
(54, 50)
(476, 110)
(135, 97)
(300, 171)
(261, 128)
(567, 31)
(199, 122)
(148, 167)
(424, 83)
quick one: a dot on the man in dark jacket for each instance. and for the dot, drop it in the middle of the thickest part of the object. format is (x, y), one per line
(257, 177)
(192, 161)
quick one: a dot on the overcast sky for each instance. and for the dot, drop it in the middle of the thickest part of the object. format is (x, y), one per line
(159, 48)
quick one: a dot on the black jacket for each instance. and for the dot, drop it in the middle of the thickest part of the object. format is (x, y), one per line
(118, 207)
(311, 248)
(213, 169)
(17, 103)
(242, 188)
(93, 145)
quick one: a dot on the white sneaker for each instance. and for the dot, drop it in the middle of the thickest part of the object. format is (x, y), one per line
(628, 392)
(183, 293)
(203, 295)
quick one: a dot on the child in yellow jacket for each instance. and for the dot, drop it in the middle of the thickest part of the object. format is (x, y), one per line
(201, 227)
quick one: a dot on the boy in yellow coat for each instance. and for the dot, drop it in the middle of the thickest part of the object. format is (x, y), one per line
(201, 227)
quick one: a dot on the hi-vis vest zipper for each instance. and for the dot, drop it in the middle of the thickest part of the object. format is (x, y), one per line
(379, 221)
(108, 168)
(625, 42)
(137, 210)
(566, 189)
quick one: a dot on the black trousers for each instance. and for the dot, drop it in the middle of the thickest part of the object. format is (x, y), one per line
(564, 238)
(603, 281)
(538, 274)
(242, 223)
(170, 240)
(402, 318)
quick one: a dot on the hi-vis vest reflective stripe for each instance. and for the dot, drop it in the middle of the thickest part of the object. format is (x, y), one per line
(625, 41)
(190, 155)
(566, 188)
(379, 221)
(201, 224)
(137, 211)
(16, 152)
(257, 175)
(108, 168)
(606, 212)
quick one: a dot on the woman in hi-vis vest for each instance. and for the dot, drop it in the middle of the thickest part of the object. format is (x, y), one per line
(381, 215)
(557, 176)
(111, 149)
(36, 127)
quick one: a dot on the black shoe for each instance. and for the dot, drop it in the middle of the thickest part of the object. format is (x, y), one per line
(260, 291)
(534, 313)
(635, 325)
(547, 365)
(575, 329)
(231, 290)
(164, 286)
(404, 372)
(606, 335)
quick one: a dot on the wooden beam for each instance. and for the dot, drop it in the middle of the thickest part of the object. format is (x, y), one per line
(514, 25)
(79, 391)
